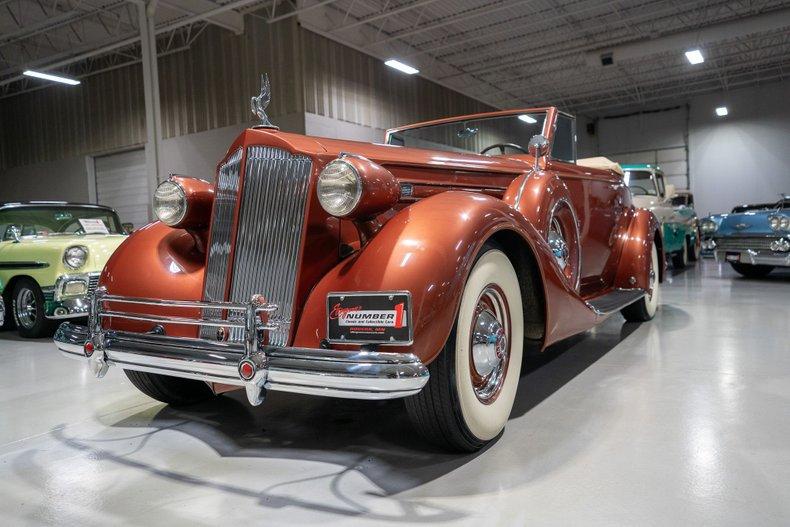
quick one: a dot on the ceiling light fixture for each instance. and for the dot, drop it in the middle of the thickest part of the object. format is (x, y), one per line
(527, 119)
(694, 56)
(722, 111)
(48, 77)
(400, 66)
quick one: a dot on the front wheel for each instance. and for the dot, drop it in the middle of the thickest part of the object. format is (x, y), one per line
(645, 308)
(473, 381)
(694, 247)
(174, 391)
(752, 271)
(29, 315)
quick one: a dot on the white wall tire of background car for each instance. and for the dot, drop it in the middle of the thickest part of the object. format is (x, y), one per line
(486, 420)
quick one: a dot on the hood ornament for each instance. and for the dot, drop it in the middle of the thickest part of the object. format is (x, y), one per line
(259, 103)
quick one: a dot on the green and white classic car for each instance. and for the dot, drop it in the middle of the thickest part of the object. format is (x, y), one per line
(51, 254)
(675, 211)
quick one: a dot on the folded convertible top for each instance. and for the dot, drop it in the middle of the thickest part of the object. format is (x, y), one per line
(601, 163)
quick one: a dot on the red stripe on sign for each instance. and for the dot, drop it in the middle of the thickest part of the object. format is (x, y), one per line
(399, 315)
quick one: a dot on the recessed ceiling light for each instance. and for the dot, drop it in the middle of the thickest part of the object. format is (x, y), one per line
(721, 111)
(48, 77)
(400, 66)
(694, 56)
(527, 119)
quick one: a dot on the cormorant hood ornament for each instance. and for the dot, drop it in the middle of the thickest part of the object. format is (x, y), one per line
(259, 103)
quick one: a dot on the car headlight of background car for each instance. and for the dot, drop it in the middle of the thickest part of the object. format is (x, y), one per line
(75, 256)
(780, 222)
(708, 226)
(356, 187)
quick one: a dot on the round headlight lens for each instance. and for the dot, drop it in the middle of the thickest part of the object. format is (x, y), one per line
(170, 203)
(708, 226)
(75, 257)
(339, 188)
(784, 223)
(774, 221)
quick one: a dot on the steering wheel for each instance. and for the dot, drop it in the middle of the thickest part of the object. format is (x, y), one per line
(636, 190)
(502, 147)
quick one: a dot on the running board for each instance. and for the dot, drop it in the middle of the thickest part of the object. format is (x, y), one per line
(614, 300)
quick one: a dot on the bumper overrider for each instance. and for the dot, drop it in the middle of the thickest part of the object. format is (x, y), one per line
(249, 363)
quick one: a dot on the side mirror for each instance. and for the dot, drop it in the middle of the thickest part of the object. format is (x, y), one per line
(128, 228)
(538, 146)
(670, 191)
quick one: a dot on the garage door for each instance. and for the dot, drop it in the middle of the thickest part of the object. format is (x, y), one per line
(122, 183)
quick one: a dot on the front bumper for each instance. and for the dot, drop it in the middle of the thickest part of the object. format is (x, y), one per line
(61, 305)
(365, 374)
(753, 257)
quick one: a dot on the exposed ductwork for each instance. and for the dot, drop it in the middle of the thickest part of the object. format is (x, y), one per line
(686, 40)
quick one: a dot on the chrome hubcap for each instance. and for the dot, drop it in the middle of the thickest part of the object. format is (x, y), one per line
(557, 244)
(489, 344)
(26, 308)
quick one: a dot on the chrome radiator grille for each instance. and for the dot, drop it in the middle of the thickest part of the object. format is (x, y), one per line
(270, 232)
(756, 243)
(219, 249)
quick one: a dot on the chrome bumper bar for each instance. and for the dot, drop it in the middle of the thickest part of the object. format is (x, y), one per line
(249, 364)
(754, 257)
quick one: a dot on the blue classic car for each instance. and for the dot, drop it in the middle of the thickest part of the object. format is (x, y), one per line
(753, 239)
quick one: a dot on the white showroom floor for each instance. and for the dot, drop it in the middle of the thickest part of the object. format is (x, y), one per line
(684, 420)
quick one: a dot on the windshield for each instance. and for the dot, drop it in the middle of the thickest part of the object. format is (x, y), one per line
(507, 134)
(640, 182)
(57, 221)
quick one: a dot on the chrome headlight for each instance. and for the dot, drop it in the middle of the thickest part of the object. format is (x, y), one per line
(75, 256)
(784, 223)
(339, 188)
(170, 203)
(708, 226)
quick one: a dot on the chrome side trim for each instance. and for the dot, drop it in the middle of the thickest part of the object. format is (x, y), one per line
(218, 259)
(269, 237)
(332, 373)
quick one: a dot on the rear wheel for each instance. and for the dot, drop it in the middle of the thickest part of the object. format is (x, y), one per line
(8, 319)
(28, 306)
(645, 308)
(174, 391)
(473, 381)
(751, 271)
(680, 259)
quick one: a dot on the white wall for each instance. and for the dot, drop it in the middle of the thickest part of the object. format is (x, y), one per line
(321, 126)
(63, 180)
(744, 157)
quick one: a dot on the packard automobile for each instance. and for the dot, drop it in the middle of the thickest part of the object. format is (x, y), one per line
(51, 254)
(754, 240)
(423, 269)
(674, 209)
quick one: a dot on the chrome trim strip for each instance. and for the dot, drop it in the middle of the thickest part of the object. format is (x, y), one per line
(218, 259)
(332, 373)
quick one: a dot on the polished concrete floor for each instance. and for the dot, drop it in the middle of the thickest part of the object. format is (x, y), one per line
(684, 420)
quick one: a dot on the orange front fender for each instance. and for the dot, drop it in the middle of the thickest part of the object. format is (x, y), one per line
(428, 249)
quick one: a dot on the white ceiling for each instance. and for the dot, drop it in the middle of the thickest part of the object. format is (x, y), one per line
(504, 52)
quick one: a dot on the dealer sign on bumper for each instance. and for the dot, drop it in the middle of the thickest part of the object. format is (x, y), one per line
(365, 318)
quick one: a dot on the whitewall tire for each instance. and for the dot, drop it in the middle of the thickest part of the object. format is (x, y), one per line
(473, 382)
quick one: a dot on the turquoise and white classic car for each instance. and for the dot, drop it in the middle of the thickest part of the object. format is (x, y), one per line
(675, 211)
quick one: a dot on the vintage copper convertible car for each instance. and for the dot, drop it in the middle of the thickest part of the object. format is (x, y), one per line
(424, 268)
